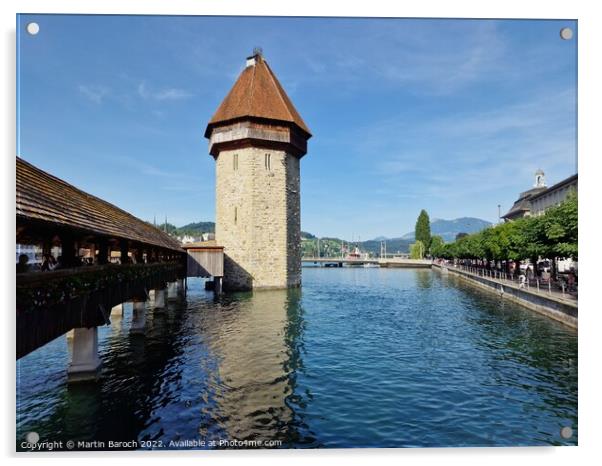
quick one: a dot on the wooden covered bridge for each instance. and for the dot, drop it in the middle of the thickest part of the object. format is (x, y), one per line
(79, 290)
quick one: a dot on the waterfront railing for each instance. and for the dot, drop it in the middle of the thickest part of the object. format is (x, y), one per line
(544, 286)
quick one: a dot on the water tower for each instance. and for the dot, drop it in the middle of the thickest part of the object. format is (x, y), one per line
(257, 139)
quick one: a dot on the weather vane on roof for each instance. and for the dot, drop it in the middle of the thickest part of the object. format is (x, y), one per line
(257, 51)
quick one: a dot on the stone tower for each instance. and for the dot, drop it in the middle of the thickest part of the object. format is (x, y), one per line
(257, 139)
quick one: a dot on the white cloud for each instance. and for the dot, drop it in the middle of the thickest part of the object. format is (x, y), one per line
(473, 153)
(144, 168)
(93, 92)
(170, 93)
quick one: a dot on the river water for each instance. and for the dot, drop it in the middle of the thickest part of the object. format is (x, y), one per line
(355, 358)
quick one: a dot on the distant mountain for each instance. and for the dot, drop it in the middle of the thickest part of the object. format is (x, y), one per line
(394, 245)
(448, 229)
(195, 229)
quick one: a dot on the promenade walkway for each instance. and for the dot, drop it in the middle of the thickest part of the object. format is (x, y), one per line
(544, 288)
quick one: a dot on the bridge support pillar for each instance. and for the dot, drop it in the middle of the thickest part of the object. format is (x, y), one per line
(85, 363)
(180, 285)
(138, 318)
(217, 285)
(118, 310)
(172, 291)
(159, 299)
(117, 318)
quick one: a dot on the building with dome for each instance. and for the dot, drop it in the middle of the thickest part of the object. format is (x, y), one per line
(538, 199)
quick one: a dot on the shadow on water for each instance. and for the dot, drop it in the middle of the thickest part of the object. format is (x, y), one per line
(424, 278)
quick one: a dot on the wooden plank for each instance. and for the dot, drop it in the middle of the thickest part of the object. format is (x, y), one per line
(206, 262)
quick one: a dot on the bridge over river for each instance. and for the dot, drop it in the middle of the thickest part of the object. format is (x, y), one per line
(104, 257)
(380, 261)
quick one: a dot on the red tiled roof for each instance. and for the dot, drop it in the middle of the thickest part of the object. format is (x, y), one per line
(44, 197)
(257, 93)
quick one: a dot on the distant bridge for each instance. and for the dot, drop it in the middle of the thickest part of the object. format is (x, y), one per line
(381, 262)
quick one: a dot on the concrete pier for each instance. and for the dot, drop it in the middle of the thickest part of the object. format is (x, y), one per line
(159, 301)
(118, 310)
(172, 291)
(138, 324)
(85, 363)
(217, 285)
(117, 317)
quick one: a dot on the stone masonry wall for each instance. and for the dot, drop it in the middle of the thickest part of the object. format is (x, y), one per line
(258, 218)
(293, 209)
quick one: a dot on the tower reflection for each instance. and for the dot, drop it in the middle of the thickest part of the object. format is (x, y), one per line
(257, 343)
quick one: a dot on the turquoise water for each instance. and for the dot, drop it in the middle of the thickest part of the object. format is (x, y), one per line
(356, 358)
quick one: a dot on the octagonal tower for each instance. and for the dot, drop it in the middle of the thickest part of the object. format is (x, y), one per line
(257, 139)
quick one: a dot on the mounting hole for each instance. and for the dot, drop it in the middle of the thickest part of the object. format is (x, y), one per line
(33, 28)
(566, 33)
(32, 437)
(566, 432)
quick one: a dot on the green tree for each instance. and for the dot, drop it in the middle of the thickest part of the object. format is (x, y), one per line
(551, 235)
(437, 246)
(560, 228)
(423, 230)
(417, 250)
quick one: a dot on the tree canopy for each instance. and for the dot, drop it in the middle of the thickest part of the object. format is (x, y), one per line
(417, 250)
(423, 230)
(553, 234)
(437, 245)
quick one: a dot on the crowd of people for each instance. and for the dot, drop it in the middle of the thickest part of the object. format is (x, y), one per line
(525, 275)
(49, 263)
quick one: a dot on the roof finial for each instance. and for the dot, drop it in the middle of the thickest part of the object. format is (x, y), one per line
(256, 57)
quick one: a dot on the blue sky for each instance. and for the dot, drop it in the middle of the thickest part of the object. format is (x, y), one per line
(453, 116)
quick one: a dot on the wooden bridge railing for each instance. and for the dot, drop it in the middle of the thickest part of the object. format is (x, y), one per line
(50, 304)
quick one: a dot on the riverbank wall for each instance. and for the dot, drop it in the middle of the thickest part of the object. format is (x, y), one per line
(405, 263)
(558, 309)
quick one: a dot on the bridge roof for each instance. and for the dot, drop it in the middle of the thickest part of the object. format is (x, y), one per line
(211, 244)
(257, 93)
(46, 198)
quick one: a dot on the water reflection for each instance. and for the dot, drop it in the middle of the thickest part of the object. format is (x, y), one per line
(254, 340)
(424, 278)
(523, 356)
(358, 357)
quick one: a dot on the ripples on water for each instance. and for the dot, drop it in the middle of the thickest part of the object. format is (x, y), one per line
(356, 358)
